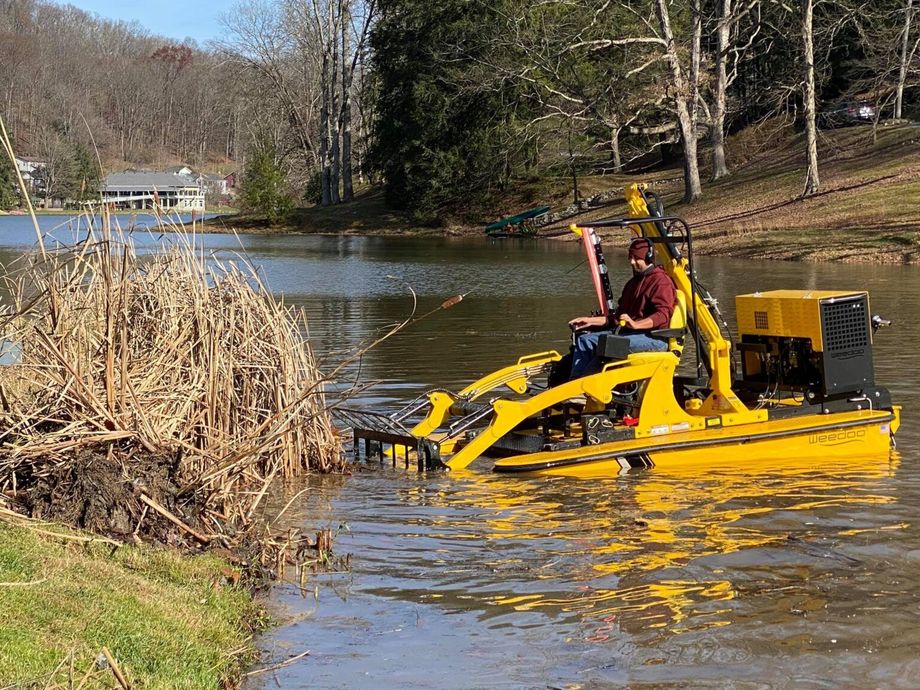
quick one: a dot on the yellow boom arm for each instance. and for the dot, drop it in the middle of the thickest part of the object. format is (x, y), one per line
(716, 349)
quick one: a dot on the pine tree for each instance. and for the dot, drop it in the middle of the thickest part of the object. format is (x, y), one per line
(440, 133)
(84, 179)
(264, 191)
(8, 196)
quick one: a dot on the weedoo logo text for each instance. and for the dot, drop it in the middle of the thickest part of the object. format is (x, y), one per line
(837, 438)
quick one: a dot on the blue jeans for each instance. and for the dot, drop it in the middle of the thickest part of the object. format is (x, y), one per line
(585, 360)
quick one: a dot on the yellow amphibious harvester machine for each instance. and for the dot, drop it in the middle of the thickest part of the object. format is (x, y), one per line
(798, 384)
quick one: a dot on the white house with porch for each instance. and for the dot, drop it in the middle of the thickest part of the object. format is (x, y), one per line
(30, 168)
(139, 190)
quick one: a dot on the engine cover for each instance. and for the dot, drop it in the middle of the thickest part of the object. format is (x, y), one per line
(813, 341)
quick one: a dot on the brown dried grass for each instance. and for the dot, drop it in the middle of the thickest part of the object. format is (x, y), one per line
(178, 359)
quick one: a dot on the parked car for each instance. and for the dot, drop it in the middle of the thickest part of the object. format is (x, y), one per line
(845, 113)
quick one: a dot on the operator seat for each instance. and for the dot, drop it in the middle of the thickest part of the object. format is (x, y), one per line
(677, 328)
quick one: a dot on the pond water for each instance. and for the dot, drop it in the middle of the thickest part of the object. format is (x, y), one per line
(775, 576)
(18, 232)
(780, 575)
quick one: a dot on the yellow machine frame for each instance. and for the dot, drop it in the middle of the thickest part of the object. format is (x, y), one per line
(665, 430)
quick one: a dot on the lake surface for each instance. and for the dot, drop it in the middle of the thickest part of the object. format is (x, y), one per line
(18, 232)
(777, 575)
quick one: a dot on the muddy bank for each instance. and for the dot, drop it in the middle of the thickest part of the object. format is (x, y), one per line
(102, 493)
(887, 242)
(865, 211)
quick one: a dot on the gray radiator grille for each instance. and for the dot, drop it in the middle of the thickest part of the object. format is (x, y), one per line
(846, 325)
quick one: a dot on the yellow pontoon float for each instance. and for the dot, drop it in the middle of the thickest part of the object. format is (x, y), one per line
(799, 383)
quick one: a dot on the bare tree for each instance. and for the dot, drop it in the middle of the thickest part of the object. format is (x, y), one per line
(572, 71)
(259, 40)
(356, 26)
(16, 54)
(57, 165)
(887, 63)
(812, 181)
(328, 27)
(65, 71)
(336, 32)
(126, 106)
(732, 42)
(685, 92)
(171, 60)
(907, 54)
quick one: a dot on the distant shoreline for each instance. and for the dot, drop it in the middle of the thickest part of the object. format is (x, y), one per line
(120, 212)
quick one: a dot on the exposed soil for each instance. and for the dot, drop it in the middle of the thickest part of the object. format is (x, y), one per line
(101, 493)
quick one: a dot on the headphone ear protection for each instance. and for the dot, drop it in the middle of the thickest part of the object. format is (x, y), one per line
(650, 251)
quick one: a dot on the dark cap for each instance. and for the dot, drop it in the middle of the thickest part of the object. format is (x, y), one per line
(640, 248)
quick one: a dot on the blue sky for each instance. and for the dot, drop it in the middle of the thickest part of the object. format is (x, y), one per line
(175, 19)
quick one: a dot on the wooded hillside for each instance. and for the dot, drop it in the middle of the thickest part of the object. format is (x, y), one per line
(450, 103)
(587, 86)
(70, 80)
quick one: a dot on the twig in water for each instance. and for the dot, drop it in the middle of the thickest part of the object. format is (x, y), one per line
(275, 667)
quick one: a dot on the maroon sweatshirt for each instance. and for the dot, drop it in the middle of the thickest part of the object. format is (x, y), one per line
(649, 294)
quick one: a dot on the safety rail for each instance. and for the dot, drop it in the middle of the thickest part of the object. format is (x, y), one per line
(474, 414)
(355, 418)
(416, 405)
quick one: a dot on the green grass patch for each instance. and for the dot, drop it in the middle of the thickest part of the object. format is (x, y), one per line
(165, 617)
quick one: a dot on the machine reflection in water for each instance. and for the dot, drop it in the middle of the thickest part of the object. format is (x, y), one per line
(637, 554)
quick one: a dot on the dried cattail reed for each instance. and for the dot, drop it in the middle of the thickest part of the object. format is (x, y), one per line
(178, 356)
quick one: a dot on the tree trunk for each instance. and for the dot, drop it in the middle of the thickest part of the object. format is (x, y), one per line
(723, 35)
(167, 120)
(9, 110)
(229, 144)
(363, 135)
(572, 168)
(348, 192)
(335, 161)
(575, 195)
(812, 181)
(615, 150)
(684, 101)
(902, 71)
(335, 123)
(324, 143)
